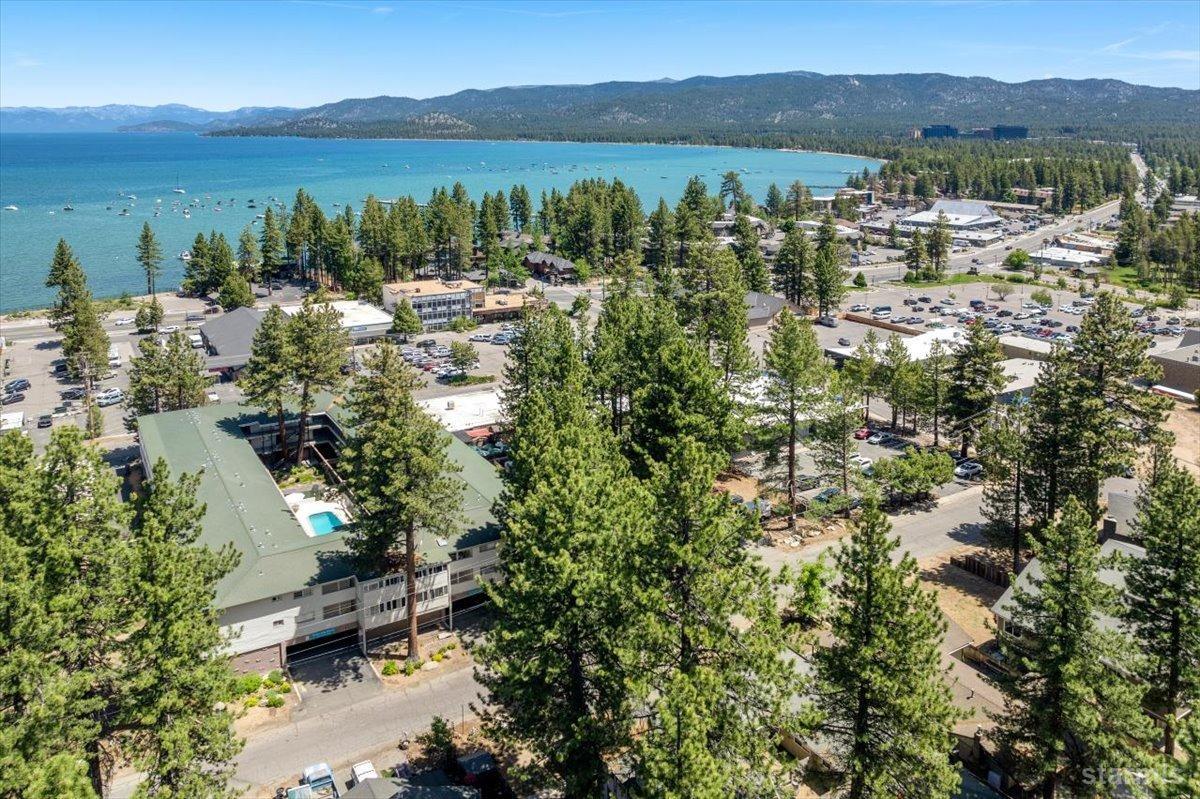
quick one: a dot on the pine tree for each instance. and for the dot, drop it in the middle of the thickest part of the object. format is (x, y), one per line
(557, 663)
(829, 278)
(183, 743)
(795, 369)
(1053, 437)
(795, 268)
(149, 255)
(267, 379)
(317, 346)
(1004, 447)
(915, 256)
(149, 316)
(1162, 593)
(887, 709)
(722, 319)
(896, 371)
(837, 417)
(935, 389)
(235, 293)
(1068, 711)
(976, 379)
(249, 256)
(1116, 415)
(716, 685)
(799, 200)
(773, 204)
(405, 321)
(731, 188)
(270, 248)
(938, 246)
(745, 247)
(399, 472)
(683, 395)
(661, 238)
(864, 370)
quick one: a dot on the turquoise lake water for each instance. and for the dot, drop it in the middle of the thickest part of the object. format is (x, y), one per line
(97, 172)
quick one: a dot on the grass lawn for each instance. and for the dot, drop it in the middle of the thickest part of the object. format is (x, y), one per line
(1126, 277)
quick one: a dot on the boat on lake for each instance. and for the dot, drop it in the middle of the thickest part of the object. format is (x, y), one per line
(11, 208)
(186, 255)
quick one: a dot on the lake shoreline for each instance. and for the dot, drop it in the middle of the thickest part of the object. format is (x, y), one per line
(103, 175)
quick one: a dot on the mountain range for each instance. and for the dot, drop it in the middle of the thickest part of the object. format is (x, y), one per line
(696, 109)
(109, 118)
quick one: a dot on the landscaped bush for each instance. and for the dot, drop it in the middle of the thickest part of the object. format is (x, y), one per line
(275, 676)
(248, 684)
(410, 667)
(390, 669)
(437, 657)
(252, 700)
(274, 700)
(284, 687)
(461, 324)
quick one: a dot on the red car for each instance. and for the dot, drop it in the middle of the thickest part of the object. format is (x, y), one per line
(862, 433)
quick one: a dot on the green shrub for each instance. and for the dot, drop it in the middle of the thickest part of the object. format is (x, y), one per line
(390, 669)
(275, 676)
(248, 684)
(284, 687)
(274, 700)
(410, 667)
(461, 324)
(437, 657)
(252, 701)
(860, 280)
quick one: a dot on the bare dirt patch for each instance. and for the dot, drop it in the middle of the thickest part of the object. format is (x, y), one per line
(1184, 422)
(963, 597)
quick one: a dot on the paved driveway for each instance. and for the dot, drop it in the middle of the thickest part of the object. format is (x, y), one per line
(332, 682)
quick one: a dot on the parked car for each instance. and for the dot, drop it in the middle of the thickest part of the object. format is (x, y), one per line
(12, 398)
(106, 399)
(806, 482)
(862, 433)
(910, 301)
(925, 299)
(169, 329)
(320, 781)
(1004, 312)
(124, 322)
(946, 301)
(479, 337)
(878, 438)
(859, 307)
(45, 420)
(195, 317)
(968, 469)
(19, 384)
(426, 343)
(827, 321)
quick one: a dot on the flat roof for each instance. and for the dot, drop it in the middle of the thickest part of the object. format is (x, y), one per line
(464, 411)
(1021, 373)
(1078, 257)
(1182, 354)
(245, 507)
(410, 288)
(355, 314)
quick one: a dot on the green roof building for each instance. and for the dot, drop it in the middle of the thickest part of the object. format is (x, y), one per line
(293, 591)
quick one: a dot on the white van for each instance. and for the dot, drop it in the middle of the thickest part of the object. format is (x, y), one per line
(196, 341)
(114, 356)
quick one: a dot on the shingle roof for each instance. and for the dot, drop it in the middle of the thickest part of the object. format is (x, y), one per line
(1113, 576)
(232, 334)
(547, 259)
(761, 306)
(245, 508)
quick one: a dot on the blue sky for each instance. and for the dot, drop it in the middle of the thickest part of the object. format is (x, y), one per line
(222, 55)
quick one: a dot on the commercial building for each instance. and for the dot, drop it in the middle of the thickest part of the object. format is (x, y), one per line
(1010, 132)
(1181, 367)
(939, 132)
(1064, 258)
(437, 302)
(294, 591)
(761, 309)
(960, 215)
(1082, 242)
(550, 267)
(229, 338)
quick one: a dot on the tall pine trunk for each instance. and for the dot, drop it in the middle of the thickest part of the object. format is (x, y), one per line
(410, 580)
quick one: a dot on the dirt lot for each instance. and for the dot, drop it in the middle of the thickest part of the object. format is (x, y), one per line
(1184, 422)
(962, 596)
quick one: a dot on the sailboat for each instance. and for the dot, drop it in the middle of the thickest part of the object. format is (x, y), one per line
(178, 189)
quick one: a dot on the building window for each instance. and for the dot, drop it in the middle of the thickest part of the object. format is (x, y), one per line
(464, 576)
(487, 547)
(431, 593)
(489, 569)
(337, 585)
(306, 617)
(460, 554)
(302, 594)
(339, 608)
(390, 605)
(277, 623)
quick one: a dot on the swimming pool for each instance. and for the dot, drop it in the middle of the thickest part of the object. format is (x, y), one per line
(325, 522)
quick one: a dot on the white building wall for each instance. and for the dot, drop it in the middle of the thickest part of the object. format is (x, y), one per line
(283, 618)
